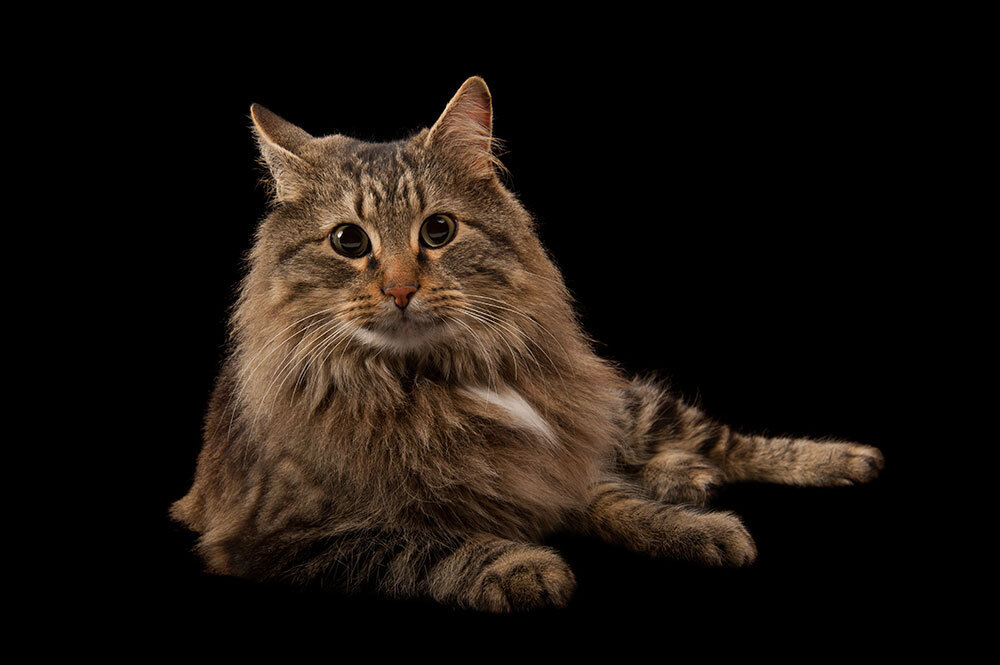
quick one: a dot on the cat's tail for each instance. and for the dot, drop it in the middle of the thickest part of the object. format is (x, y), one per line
(672, 439)
(650, 412)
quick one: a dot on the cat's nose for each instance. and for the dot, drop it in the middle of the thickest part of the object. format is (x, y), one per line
(401, 294)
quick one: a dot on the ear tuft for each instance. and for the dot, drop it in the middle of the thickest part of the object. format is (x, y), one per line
(281, 145)
(465, 129)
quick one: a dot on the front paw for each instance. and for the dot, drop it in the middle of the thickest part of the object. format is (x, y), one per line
(523, 580)
(716, 539)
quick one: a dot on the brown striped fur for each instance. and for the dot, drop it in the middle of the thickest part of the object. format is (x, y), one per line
(427, 451)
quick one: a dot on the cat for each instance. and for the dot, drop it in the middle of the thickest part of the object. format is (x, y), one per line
(410, 405)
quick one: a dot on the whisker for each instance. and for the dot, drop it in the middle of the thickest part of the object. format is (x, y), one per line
(312, 355)
(521, 335)
(339, 339)
(486, 354)
(503, 338)
(288, 362)
(503, 305)
(244, 378)
(526, 316)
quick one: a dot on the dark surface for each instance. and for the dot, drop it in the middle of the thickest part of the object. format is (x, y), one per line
(728, 215)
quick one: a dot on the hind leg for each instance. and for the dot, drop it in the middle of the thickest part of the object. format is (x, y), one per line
(662, 454)
(621, 514)
(678, 476)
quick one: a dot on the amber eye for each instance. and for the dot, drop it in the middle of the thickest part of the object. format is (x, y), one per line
(437, 230)
(349, 240)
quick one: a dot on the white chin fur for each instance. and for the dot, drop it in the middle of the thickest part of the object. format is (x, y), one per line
(404, 341)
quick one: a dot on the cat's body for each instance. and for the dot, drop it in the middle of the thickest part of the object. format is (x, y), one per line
(417, 416)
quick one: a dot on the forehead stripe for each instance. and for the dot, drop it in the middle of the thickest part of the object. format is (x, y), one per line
(359, 205)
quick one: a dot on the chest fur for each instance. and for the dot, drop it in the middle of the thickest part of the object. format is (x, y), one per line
(464, 457)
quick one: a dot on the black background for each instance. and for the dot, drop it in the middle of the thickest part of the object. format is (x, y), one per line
(742, 215)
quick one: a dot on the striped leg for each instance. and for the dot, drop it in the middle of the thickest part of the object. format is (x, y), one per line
(678, 476)
(481, 572)
(498, 575)
(671, 472)
(620, 514)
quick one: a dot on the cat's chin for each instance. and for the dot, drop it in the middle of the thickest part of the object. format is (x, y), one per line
(405, 335)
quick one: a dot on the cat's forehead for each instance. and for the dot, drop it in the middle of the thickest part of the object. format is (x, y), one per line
(372, 177)
(377, 161)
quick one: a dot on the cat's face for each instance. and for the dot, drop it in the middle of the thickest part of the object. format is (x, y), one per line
(400, 246)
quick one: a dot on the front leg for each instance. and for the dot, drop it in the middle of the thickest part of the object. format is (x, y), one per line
(477, 571)
(620, 514)
(498, 575)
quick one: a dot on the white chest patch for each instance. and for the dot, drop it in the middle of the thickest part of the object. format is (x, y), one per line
(522, 415)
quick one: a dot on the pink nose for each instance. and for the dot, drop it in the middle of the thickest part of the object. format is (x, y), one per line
(401, 294)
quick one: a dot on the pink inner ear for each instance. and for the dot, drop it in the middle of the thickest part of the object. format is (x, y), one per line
(465, 129)
(479, 112)
(473, 107)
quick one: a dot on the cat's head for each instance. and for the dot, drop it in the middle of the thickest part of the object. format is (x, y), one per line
(399, 248)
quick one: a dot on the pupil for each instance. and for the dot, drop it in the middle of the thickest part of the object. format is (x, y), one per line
(437, 229)
(350, 239)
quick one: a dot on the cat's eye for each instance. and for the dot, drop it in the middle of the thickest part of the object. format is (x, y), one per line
(437, 230)
(350, 240)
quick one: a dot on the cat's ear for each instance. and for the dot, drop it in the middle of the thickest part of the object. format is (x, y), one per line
(465, 129)
(281, 144)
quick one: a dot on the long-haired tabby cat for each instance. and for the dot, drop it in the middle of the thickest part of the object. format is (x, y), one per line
(409, 403)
